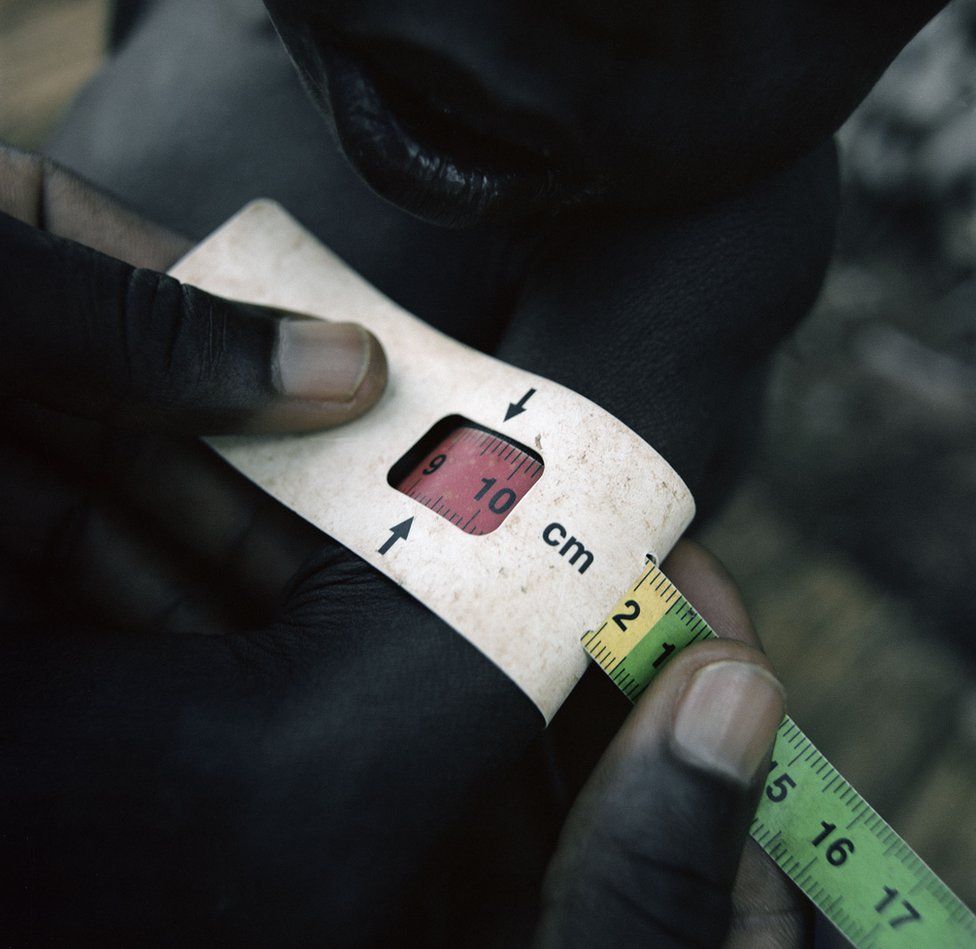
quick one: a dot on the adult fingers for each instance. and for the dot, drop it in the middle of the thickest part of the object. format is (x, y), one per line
(38, 192)
(767, 909)
(93, 335)
(595, 710)
(208, 527)
(651, 849)
(703, 579)
(77, 554)
(266, 762)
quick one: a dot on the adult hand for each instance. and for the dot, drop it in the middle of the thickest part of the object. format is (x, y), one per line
(92, 329)
(93, 334)
(265, 760)
(160, 780)
(655, 849)
(650, 838)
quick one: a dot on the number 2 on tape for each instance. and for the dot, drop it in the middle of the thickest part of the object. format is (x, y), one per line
(864, 878)
(469, 516)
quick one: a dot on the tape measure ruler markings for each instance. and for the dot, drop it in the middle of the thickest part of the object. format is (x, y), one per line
(545, 517)
(810, 820)
(473, 477)
(572, 527)
(861, 875)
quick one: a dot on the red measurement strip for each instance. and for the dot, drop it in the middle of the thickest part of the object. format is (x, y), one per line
(473, 478)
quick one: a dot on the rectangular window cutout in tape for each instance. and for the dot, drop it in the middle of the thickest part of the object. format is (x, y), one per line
(522, 492)
(554, 537)
(468, 474)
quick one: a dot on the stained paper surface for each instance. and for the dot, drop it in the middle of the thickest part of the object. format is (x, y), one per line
(606, 499)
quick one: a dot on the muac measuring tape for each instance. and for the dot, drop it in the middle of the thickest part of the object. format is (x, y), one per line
(524, 493)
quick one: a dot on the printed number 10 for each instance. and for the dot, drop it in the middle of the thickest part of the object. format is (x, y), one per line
(500, 501)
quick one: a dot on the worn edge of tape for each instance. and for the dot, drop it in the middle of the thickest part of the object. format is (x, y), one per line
(606, 488)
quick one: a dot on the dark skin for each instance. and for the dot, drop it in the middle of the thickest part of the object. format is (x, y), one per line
(503, 109)
(165, 785)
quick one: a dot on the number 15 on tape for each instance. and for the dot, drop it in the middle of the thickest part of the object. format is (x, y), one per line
(834, 846)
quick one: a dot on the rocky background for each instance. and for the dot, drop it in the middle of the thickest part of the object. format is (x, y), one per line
(854, 538)
(871, 436)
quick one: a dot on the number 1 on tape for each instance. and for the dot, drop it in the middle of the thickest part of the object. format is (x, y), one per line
(861, 875)
(514, 495)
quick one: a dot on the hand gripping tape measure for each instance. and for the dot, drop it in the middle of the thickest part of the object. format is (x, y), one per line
(525, 493)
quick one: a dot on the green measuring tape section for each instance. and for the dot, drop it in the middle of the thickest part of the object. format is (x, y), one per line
(861, 875)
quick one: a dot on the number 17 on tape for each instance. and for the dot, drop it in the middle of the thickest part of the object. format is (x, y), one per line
(834, 846)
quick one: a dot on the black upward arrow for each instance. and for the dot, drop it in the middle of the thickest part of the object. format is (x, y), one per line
(517, 408)
(397, 532)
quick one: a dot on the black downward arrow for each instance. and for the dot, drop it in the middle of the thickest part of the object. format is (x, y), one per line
(517, 408)
(397, 532)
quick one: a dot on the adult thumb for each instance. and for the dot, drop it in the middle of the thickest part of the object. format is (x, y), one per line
(650, 851)
(91, 335)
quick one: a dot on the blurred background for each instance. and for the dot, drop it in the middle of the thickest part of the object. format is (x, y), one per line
(854, 536)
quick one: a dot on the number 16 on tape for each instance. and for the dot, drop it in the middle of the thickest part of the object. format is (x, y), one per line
(862, 876)
(544, 515)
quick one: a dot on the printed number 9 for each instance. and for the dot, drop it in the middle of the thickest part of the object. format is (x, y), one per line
(434, 464)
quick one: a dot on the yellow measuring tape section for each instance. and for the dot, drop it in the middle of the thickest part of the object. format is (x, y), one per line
(861, 875)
